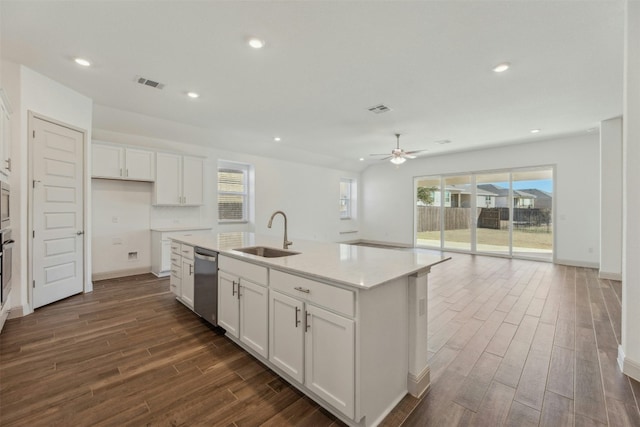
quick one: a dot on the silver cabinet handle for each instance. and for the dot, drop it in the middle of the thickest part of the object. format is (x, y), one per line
(301, 289)
(8, 164)
(120, 171)
(80, 233)
(297, 320)
(233, 288)
(126, 173)
(307, 325)
(190, 269)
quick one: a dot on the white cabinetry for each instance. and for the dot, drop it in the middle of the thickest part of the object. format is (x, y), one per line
(312, 344)
(117, 162)
(186, 294)
(175, 282)
(161, 246)
(179, 180)
(5, 135)
(181, 281)
(243, 303)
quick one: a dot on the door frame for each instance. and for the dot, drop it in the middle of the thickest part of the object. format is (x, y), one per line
(87, 285)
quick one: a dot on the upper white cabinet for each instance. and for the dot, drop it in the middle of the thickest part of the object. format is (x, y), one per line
(117, 162)
(179, 180)
(5, 135)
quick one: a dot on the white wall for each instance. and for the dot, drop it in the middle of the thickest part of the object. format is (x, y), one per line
(388, 191)
(120, 213)
(30, 91)
(309, 195)
(610, 199)
(629, 352)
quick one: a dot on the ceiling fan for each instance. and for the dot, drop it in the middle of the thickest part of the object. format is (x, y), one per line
(398, 155)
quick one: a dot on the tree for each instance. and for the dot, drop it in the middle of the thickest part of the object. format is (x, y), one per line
(425, 195)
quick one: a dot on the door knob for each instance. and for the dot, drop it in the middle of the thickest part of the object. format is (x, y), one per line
(80, 233)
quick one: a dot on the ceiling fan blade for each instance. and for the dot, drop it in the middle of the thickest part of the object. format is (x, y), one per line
(408, 156)
(379, 154)
(415, 151)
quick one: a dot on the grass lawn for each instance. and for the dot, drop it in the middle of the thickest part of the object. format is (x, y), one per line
(535, 238)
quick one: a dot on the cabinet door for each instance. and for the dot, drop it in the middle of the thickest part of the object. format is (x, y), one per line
(140, 165)
(167, 189)
(107, 161)
(192, 180)
(330, 358)
(187, 282)
(228, 305)
(254, 304)
(286, 334)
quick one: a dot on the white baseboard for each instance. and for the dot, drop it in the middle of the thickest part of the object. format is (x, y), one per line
(120, 273)
(418, 385)
(629, 367)
(609, 275)
(574, 263)
(18, 311)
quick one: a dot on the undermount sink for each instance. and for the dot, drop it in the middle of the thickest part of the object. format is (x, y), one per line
(265, 251)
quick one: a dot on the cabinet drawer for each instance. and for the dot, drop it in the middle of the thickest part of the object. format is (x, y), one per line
(176, 271)
(255, 273)
(175, 247)
(334, 298)
(187, 251)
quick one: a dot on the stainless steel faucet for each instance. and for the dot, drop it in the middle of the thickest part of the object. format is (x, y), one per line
(286, 243)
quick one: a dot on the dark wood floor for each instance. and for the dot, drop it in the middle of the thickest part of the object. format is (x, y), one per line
(511, 343)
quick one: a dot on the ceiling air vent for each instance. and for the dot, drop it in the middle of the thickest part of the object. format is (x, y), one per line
(378, 109)
(147, 82)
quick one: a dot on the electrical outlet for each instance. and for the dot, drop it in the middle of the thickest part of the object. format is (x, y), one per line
(133, 256)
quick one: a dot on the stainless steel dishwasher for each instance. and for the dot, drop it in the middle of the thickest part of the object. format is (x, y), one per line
(205, 288)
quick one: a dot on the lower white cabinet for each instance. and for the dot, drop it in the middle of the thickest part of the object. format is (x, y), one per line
(182, 273)
(186, 292)
(161, 258)
(175, 281)
(315, 347)
(243, 304)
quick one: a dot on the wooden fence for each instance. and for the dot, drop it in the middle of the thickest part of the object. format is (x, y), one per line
(496, 218)
(454, 218)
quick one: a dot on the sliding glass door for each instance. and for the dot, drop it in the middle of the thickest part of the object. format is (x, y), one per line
(506, 213)
(492, 225)
(532, 214)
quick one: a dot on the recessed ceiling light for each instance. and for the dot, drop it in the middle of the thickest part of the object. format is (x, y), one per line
(256, 43)
(444, 141)
(83, 62)
(535, 131)
(501, 67)
(192, 95)
(276, 138)
(362, 159)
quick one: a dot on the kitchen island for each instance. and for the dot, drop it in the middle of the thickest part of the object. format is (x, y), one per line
(345, 324)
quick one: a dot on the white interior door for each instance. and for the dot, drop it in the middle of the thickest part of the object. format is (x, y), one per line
(58, 218)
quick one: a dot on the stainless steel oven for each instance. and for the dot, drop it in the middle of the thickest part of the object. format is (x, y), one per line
(6, 256)
(5, 203)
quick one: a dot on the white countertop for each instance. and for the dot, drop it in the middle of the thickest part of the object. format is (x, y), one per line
(355, 266)
(180, 228)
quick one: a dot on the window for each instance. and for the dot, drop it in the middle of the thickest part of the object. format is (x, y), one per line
(346, 198)
(233, 191)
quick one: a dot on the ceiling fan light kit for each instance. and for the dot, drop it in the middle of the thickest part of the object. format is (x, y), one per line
(398, 155)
